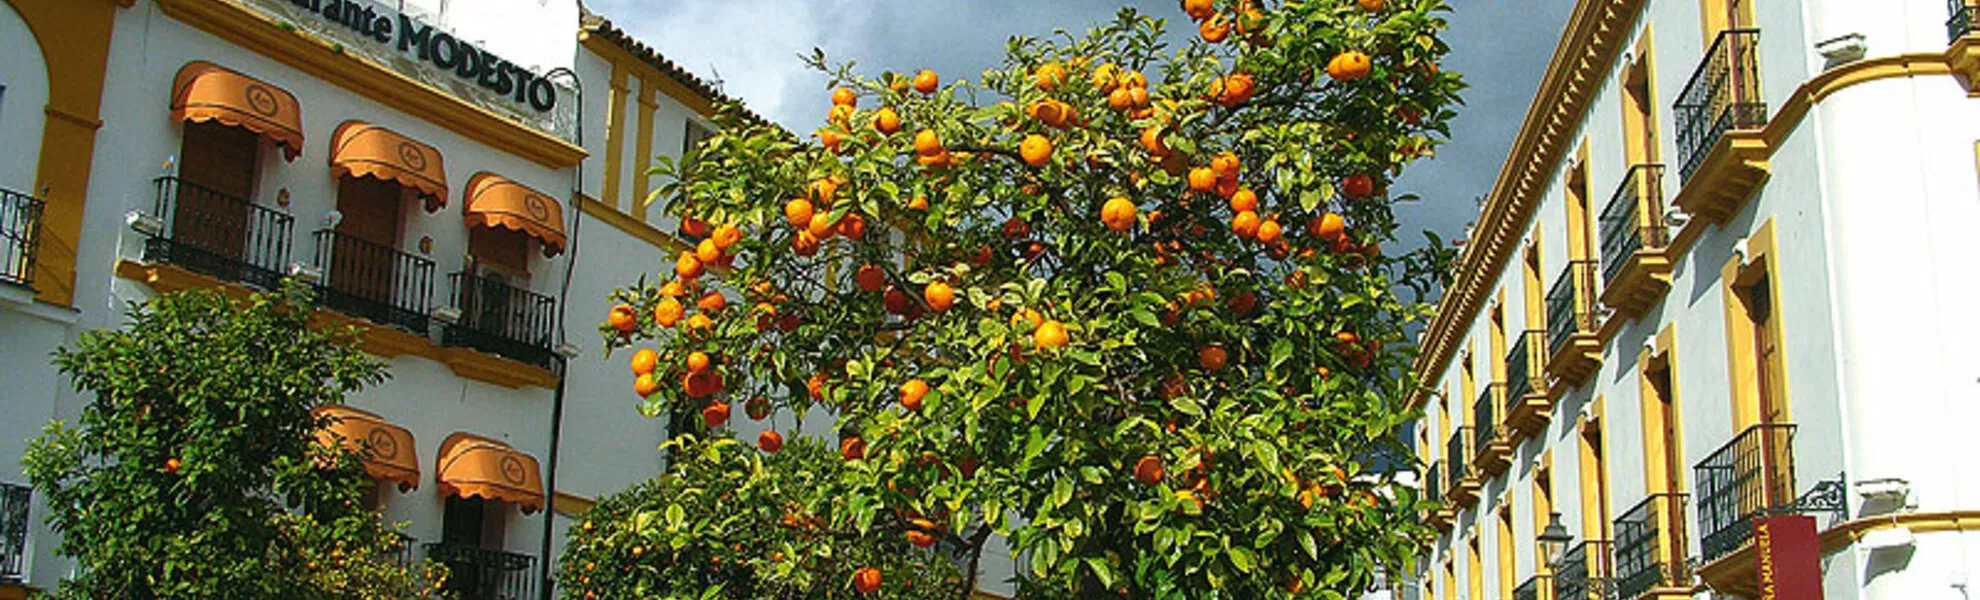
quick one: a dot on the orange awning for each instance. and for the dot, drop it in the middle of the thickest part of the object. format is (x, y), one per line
(361, 149)
(471, 466)
(496, 201)
(204, 91)
(390, 456)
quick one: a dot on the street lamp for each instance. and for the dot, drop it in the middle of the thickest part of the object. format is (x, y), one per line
(1554, 539)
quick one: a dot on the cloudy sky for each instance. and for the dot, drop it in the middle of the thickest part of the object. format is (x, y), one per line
(752, 46)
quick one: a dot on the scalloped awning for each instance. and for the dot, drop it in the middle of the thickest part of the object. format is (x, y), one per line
(360, 149)
(392, 455)
(497, 201)
(204, 91)
(472, 466)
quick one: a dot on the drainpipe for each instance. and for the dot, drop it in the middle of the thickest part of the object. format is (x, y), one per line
(562, 361)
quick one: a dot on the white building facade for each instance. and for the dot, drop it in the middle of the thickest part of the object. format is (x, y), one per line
(1720, 279)
(460, 178)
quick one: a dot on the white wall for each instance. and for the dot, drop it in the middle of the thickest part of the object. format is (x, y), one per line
(23, 94)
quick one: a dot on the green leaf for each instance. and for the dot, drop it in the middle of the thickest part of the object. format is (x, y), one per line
(1186, 405)
(1281, 350)
(1061, 492)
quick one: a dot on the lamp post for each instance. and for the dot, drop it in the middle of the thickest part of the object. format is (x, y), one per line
(1554, 540)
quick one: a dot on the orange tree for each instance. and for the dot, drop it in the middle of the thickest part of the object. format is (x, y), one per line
(1121, 303)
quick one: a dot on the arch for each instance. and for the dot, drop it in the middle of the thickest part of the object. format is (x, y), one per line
(23, 94)
(74, 36)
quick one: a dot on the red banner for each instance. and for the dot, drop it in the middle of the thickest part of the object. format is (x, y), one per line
(1790, 558)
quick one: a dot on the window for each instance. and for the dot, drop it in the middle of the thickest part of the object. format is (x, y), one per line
(473, 523)
(1594, 482)
(1660, 425)
(500, 250)
(696, 134)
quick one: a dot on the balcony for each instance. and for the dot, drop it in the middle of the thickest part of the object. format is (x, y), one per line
(402, 552)
(1463, 483)
(1433, 490)
(501, 319)
(14, 501)
(1530, 589)
(480, 574)
(1583, 573)
(20, 230)
(1650, 547)
(1722, 156)
(1747, 479)
(1635, 272)
(374, 281)
(1491, 452)
(1527, 406)
(1574, 349)
(1959, 21)
(220, 236)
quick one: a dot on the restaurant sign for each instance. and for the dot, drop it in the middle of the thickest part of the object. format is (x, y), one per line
(1789, 557)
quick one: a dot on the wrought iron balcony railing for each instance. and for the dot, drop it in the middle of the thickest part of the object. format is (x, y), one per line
(481, 574)
(402, 553)
(374, 281)
(1433, 482)
(1584, 572)
(1650, 546)
(1524, 372)
(14, 501)
(1571, 304)
(20, 232)
(1456, 452)
(221, 236)
(1485, 417)
(502, 319)
(1959, 21)
(1530, 589)
(1633, 220)
(1723, 95)
(1749, 478)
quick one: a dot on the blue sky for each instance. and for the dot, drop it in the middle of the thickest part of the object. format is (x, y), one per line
(752, 46)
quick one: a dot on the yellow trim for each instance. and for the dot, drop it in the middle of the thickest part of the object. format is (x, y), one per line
(1740, 353)
(615, 135)
(665, 83)
(384, 342)
(1475, 570)
(15, 591)
(74, 37)
(1543, 506)
(570, 504)
(639, 229)
(248, 28)
(1658, 474)
(1508, 565)
(642, 179)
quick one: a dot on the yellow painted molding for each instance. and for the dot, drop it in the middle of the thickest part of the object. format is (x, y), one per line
(664, 82)
(74, 37)
(15, 591)
(377, 340)
(570, 504)
(615, 134)
(643, 150)
(633, 227)
(248, 28)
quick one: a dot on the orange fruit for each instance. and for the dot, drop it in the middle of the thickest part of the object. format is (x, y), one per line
(804, 244)
(1245, 225)
(852, 448)
(715, 414)
(852, 226)
(703, 385)
(757, 408)
(866, 580)
(922, 539)
(1120, 99)
(821, 225)
(1151, 140)
(623, 318)
(926, 143)
(726, 236)
(1234, 90)
(1244, 303)
(1328, 227)
(1148, 470)
(1050, 335)
(798, 212)
(770, 441)
(844, 97)
(1118, 214)
(1014, 228)
(939, 296)
(1052, 112)
(821, 191)
(1244, 200)
(896, 301)
(912, 393)
(1268, 231)
(668, 312)
(693, 227)
(1199, 9)
(926, 82)
(1212, 357)
(1027, 315)
(815, 386)
(699, 322)
(1214, 30)
(645, 385)
(1226, 164)
(697, 361)
(1358, 186)
(839, 115)
(1107, 77)
(1049, 76)
(644, 361)
(708, 252)
(673, 289)
(870, 278)
(688, 266)
(1036, 150)
(1373, 6)
(887, 121)
(1349, 66)
(1251, 21)
(829, 139)
(919, 202)
(1202, 179)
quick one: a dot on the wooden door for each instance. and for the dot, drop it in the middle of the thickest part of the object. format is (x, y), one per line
(216, 177)
(363, 262)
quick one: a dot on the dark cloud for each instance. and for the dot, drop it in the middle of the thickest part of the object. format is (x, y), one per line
(1502, 47)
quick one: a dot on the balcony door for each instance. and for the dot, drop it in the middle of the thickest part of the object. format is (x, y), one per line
(216, 178)
(362, 261)
(501, 265)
